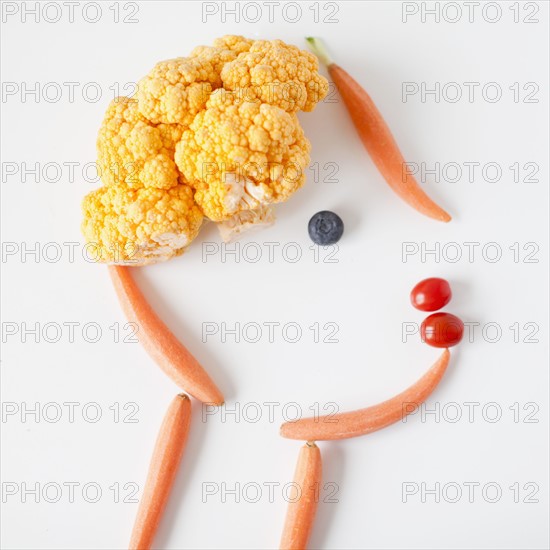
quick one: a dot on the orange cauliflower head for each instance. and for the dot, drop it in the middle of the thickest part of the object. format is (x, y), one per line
(133, 152)
(213, 134)
(139, 226)
(277, 73)
(240, 155)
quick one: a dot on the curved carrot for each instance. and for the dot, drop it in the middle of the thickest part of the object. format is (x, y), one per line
(377, 137)
(365, 421)
(162, 471)
(161, 344)
(301, 511)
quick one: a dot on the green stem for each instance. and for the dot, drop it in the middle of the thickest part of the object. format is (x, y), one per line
(317, 46)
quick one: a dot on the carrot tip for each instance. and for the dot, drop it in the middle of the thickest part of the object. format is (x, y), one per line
(311, 444)
(444, 217)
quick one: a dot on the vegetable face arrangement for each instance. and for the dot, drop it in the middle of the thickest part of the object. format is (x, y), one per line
(215, 136)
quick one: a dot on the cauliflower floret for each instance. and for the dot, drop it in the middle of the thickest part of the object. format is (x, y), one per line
(133, 152)
(277, 73)
(177, 89)
(236, 43)
(225, 49)
(139, 227)
(240, 155)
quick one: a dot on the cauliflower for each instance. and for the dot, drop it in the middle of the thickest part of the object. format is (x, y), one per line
(177, 89)
(133, 152)
(140, 226)
(213, 134)
(241, 155)
(277, 73)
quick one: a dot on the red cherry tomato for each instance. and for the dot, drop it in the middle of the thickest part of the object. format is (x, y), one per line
(431, 294)
(442, 330)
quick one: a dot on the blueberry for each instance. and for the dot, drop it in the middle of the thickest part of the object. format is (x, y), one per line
(325, 228)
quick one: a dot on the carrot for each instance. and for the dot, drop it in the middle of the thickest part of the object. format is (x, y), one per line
(161, 344)
(162, 471)
(301, 510)
(377, 137)
(370, 419)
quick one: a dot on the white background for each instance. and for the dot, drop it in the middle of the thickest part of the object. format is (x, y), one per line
(365, 292)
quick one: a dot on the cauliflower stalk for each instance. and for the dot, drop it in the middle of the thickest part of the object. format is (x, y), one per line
(214, 134)
(245, 221)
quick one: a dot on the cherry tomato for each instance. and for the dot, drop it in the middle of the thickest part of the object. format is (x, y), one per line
(442, 330)
(431, 294)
